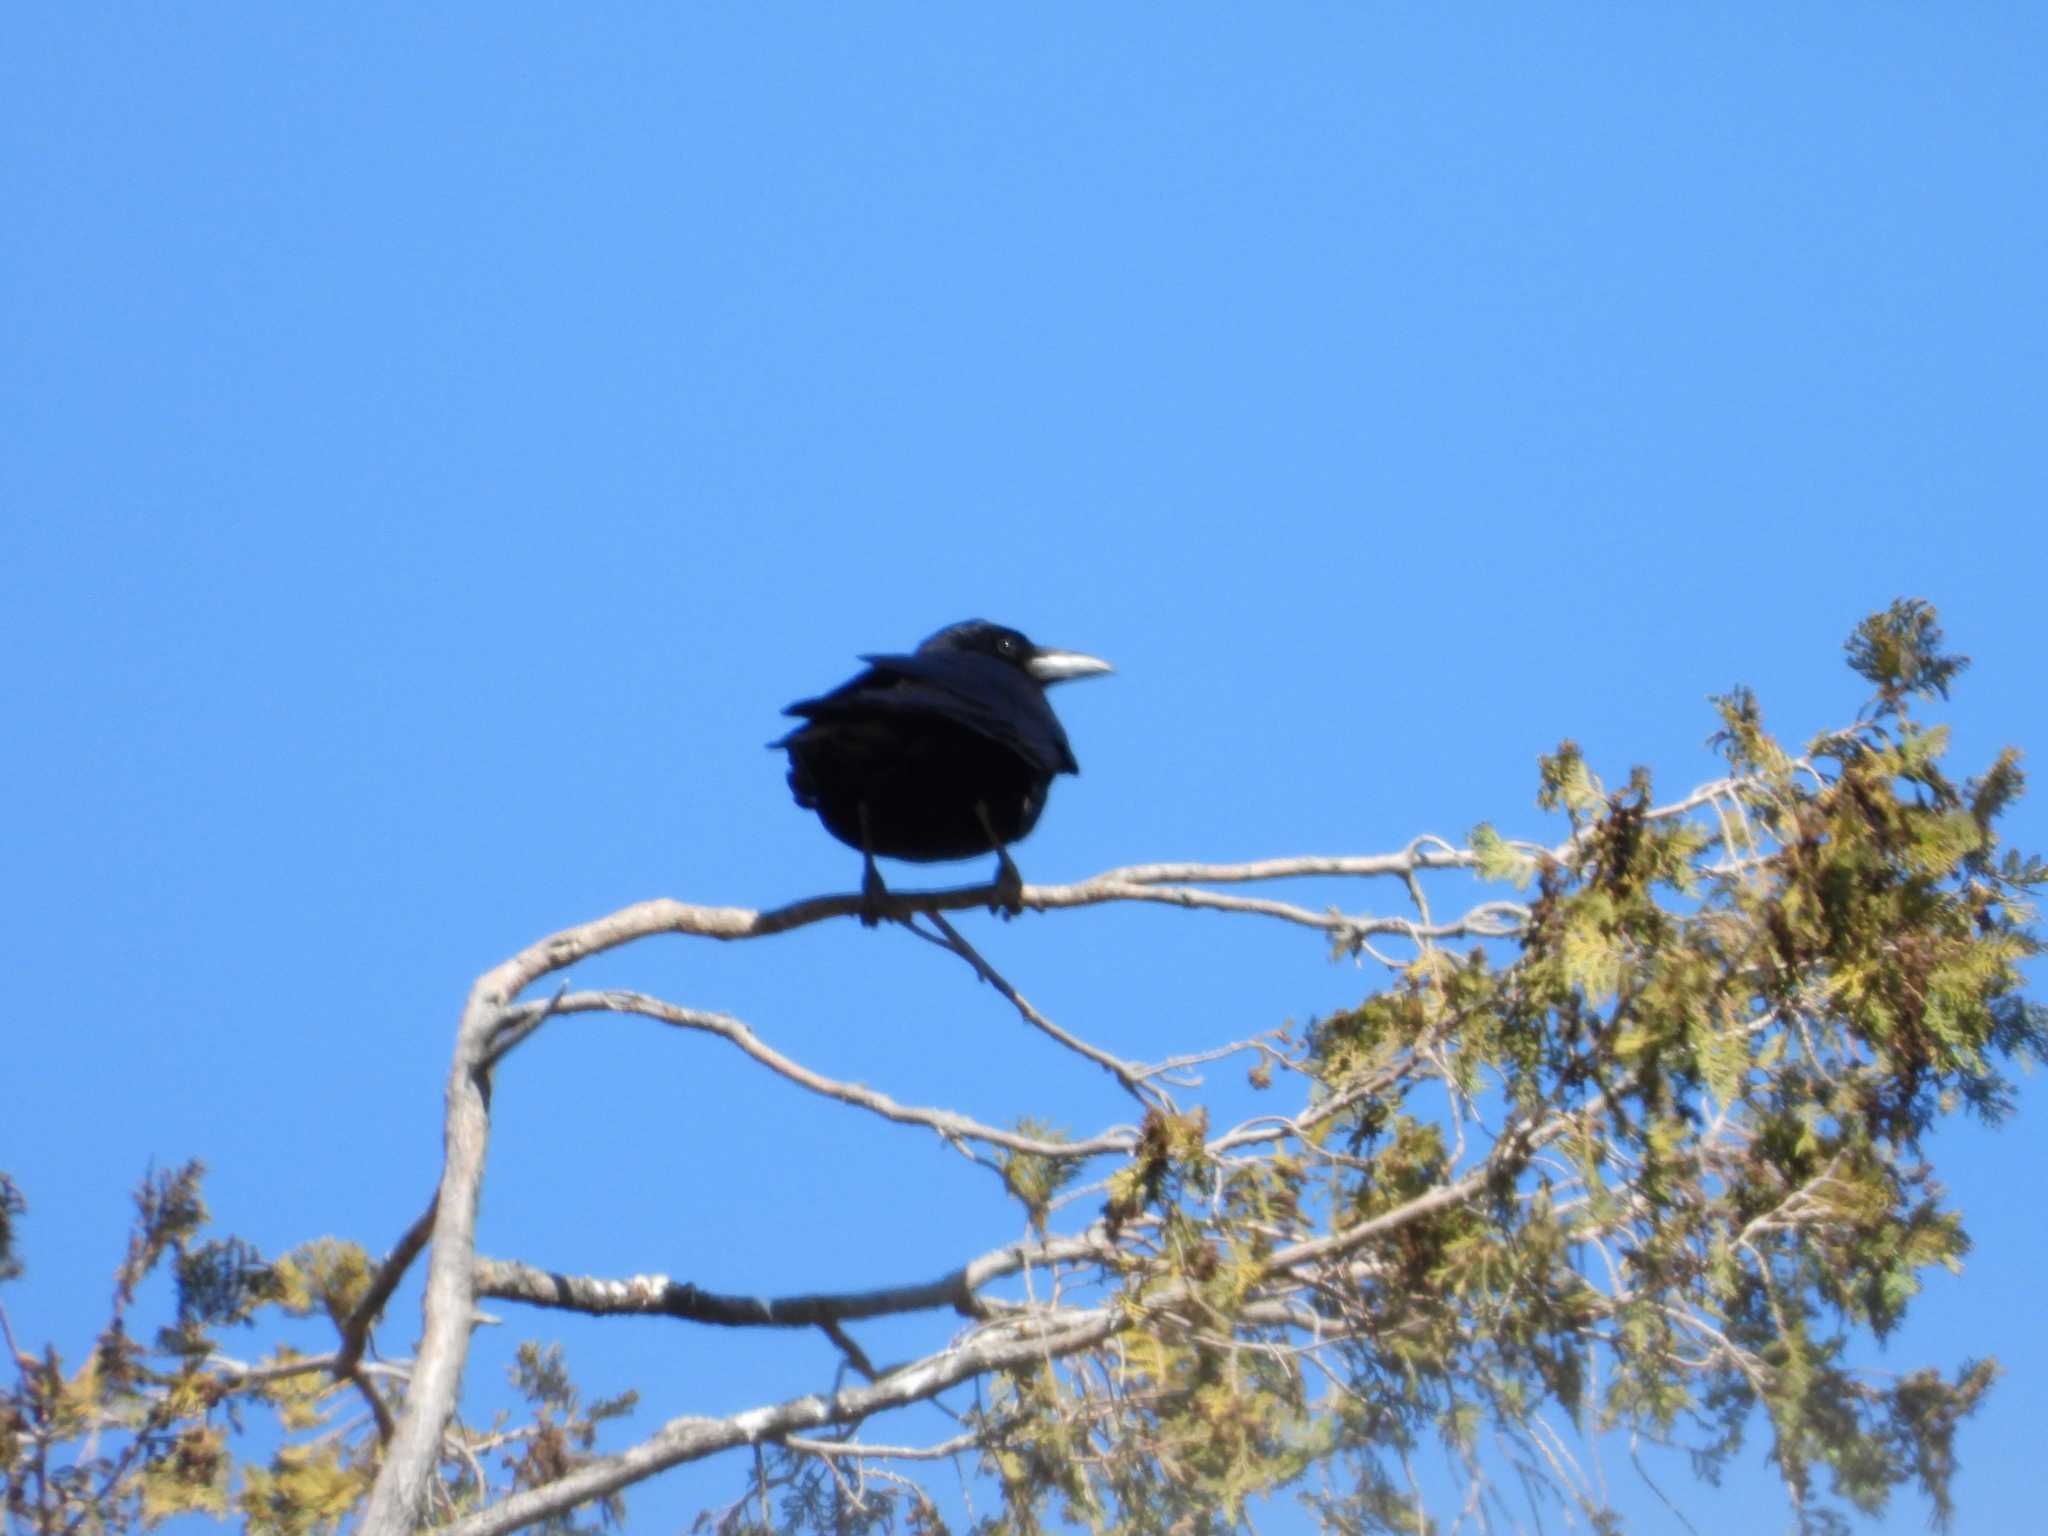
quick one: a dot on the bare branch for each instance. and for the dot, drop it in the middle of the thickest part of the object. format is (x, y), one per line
(863, 1450)
(386, 1426)
(855, 1355)
(1351, 865)
(1492, 920)
(692, 1439)
(355, 1333)
(243, 1375)
(1126, 1073)
(948, 1123)
(1425, 853)
(658, 1295)
(397, 1497)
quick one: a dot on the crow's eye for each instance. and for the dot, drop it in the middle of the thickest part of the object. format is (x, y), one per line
(1007, 646)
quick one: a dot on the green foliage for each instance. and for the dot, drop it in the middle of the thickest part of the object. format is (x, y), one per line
(304, 1489)
(1500, 860)
(1034, 1179)
(1899, 653)
(327, 1276)
(1683, 1175)
(132, 1434)
(562, 1438)
(1170, 1160)
(168, 1211)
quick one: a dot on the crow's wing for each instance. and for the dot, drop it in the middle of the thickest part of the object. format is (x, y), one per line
(986, 696)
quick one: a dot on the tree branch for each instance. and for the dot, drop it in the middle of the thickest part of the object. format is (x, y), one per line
(1126, 1073)
(948, 1123)
(399, 1494)
(692, 1439)
(857, 1450)
(659, 1296)
(355, 1333)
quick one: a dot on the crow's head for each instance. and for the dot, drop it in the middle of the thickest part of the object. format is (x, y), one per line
(1037, 662)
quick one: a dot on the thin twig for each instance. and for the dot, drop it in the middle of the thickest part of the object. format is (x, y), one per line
(862, 1449)
(1129, 1074)
(849, 1347)
(946, 1122)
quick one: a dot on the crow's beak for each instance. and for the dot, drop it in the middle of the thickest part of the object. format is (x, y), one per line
(1063, 666)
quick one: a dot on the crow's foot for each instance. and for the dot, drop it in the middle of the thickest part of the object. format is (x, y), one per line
(872, 894)
(1009, 886)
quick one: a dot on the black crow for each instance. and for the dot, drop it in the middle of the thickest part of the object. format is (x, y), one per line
(943, 754)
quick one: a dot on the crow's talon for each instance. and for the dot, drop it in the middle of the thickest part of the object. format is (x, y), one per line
(872, 892)
(1009, 899)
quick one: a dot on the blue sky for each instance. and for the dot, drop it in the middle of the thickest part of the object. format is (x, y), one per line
(436, 446)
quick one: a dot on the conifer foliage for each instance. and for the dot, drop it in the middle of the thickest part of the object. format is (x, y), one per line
(1635, 1148)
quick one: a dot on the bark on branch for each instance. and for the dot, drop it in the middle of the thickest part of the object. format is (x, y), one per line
(659, 1296)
